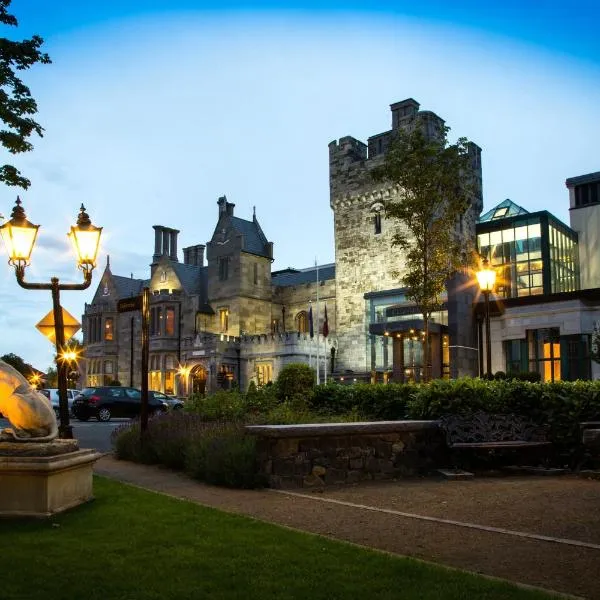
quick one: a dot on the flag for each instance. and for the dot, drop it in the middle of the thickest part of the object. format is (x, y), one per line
(325, 324)
(311, 330)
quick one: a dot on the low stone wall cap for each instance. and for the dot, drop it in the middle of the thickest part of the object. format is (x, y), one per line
(319, 429)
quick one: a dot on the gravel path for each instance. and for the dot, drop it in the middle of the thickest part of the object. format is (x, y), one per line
(563, 507)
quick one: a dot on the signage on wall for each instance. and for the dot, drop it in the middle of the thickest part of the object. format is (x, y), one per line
(128, 304)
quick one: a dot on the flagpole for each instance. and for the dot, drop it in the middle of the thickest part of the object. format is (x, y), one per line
(318, 328)
(309, 336)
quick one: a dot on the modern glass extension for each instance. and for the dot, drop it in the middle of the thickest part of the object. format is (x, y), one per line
(533, 253)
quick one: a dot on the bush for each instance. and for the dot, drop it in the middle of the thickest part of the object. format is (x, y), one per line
(214, 452)
(377, 402)
(296, 381)
(226, 456)
(559, 406)
(220, 406)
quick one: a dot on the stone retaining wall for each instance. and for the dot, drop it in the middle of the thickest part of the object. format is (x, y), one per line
(345, 453)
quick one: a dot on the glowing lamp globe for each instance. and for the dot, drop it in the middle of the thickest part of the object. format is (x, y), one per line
(19, 236)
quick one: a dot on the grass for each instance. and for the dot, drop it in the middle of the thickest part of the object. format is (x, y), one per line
(130, 544)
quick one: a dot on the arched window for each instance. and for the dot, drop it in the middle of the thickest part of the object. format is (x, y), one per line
(377, 214)
(302, 322)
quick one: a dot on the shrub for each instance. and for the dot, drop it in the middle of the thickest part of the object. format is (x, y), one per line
(224, 455)
(559, 406)
(295, 381)
(371, 401)
(499, 375)
(220, 406)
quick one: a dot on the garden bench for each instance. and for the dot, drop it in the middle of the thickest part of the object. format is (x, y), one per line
(492, 432)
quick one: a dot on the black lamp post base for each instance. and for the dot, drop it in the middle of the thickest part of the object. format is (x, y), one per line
(65, 432)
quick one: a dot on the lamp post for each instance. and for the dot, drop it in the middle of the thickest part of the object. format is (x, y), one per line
(19, 237)
(486, 277)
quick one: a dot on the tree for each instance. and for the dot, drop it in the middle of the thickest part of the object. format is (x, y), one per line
(18, 363)
(16, 103)
(434, 191)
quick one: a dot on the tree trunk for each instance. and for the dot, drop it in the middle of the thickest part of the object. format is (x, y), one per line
(426, 358)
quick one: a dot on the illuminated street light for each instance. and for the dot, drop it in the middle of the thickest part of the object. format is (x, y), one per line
(486, 277)
(19, 237)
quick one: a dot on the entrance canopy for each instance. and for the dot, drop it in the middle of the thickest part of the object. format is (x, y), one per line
(408, 327)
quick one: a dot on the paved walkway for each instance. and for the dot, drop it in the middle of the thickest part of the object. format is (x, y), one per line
(533, 530)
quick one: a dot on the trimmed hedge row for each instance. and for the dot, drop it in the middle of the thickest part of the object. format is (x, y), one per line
(559, 406)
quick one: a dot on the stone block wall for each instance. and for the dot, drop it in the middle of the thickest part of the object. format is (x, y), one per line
(317, 455)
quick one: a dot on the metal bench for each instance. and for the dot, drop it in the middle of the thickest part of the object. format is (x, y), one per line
(493, 433)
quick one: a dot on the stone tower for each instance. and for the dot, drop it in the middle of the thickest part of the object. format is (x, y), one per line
(365, 259)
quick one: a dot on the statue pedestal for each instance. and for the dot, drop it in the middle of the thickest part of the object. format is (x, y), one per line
(40, 480)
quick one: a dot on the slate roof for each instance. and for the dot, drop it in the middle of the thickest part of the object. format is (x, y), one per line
(255, 240)
(127, 287)
(506, 208)
(192, 278)
(287, 277)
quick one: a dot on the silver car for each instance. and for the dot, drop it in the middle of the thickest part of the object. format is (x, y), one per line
(52, 395)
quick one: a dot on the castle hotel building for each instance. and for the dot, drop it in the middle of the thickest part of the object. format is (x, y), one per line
(223, 317)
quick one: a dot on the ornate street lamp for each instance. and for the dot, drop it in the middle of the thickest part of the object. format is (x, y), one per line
(486, 277)
(19, 237)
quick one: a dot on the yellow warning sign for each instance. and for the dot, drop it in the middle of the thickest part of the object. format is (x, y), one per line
(46, 326)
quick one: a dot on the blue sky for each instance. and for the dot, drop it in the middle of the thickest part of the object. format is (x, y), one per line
(153, 109)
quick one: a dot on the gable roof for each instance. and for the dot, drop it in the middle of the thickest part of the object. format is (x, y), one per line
(288, 277)
(127, 286)
(506, 208)
(255, 240)
(193, 278)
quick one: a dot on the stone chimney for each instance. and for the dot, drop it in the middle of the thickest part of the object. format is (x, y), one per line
(165, 243)
(225, 208)
(194, 255)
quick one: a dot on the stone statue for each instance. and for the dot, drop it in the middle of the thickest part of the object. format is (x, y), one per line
(29, 412)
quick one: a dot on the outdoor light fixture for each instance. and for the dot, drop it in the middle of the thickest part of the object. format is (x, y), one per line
(19, 237)
(486, 277)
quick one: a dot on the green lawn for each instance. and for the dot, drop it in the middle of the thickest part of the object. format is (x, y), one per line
(132, 544)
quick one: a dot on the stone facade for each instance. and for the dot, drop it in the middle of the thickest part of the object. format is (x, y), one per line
(230, 319)
(365, 259)
(314, 456)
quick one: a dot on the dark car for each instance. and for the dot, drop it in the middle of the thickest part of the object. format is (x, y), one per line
(105, 402)
(172, 402)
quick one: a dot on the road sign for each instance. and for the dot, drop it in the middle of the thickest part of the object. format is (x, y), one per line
(70, 325)
(127, 304)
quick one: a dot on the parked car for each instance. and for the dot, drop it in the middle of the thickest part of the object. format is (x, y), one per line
(174, 403)
(52, 395)
(106, 402)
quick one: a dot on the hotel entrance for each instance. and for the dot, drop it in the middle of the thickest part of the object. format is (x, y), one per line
(406, 358)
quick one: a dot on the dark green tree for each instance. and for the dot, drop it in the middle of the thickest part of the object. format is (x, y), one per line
(18, 363)
(435, 188)
(17, 106)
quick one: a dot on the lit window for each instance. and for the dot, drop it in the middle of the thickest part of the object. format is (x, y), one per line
(170, 321)
(500, 212)
(224, 319)
(108, 329)
(302, 322)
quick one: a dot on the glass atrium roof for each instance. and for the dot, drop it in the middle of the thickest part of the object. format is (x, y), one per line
(505, 209)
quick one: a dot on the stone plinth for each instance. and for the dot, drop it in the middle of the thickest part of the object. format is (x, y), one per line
(316, 455)
(46, 484)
